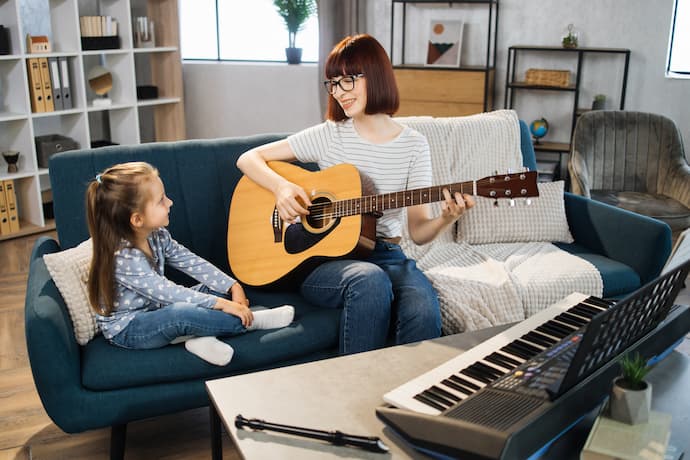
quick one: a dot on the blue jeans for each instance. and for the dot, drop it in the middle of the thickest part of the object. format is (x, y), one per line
(157, 328)
(385, 291)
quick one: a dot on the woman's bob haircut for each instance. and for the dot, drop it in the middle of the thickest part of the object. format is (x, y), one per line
(363, 54)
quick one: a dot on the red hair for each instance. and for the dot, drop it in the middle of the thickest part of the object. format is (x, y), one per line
(364, 54)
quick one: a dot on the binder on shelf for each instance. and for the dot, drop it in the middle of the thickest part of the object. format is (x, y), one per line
(35, 86)
(65, 92)
(55, 83)
(4, 213)
(11, 200)
(47, 86)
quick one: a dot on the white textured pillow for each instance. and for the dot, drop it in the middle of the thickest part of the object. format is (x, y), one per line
(70, 270)
(543, 220)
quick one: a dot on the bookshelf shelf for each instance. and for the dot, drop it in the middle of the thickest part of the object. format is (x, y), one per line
(126, 121)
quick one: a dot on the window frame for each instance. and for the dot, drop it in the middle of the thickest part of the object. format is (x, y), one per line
(218, 48)
(683, 74)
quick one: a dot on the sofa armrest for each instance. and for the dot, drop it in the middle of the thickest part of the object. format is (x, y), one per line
(638, 241)
(54, 354)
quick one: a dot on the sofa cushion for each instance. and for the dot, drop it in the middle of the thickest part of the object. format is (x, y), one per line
(70, 270)
(107, 367)
(543, 219)
(618, 278)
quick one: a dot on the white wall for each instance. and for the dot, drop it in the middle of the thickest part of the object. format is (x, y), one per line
(242, 99)
(239, 99)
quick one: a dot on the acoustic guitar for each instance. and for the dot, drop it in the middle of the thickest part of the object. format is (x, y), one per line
(264, 250)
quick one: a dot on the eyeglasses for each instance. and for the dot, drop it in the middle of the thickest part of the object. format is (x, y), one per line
(346, 83)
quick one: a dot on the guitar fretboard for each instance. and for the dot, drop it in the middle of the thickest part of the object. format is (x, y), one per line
(380, 203)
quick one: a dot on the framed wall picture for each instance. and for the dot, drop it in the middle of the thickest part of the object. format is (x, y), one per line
(445, 43)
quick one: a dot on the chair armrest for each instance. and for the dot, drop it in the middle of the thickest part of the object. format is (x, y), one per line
(54, 354)
(638, 241)
(677, 183)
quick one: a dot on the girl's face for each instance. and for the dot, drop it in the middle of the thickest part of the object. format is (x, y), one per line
(157, 205)
(353, 102)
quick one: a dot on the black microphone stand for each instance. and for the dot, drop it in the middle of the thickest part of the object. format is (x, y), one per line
(371, 443)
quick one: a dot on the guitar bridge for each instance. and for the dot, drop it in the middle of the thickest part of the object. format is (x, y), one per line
(277, 224)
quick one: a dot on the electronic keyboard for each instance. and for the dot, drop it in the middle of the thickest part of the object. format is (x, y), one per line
(456, 379)
(516, 413)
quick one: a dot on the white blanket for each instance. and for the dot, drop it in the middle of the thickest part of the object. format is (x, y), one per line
(486, 285)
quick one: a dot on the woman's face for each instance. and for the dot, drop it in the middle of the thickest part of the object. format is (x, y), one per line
(354, 101)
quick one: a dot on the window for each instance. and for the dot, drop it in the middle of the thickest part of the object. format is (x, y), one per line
(678, 61)
(238, 30)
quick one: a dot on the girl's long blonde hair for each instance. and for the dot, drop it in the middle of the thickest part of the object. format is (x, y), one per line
(111, 199)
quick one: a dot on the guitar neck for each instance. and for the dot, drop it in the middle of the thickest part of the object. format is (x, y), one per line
(380, 203)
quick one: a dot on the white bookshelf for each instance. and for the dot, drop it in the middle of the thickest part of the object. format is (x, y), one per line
(127, 121)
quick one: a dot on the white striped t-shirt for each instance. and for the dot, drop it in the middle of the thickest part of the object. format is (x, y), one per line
(401, 164)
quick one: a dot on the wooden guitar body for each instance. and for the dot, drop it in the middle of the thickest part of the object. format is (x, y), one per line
(264, 250)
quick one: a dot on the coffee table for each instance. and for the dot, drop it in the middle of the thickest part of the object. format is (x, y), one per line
(342, 394)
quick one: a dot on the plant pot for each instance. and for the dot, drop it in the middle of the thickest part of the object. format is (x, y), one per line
(293, 55)
(598, 104)
(630, 406)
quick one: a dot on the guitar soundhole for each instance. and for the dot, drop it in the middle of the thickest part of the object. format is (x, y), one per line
(321, 213)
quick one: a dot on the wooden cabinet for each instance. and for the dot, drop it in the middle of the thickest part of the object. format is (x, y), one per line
(128, 120)
(445, 91)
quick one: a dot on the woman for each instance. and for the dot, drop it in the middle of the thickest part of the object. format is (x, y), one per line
(387, 288)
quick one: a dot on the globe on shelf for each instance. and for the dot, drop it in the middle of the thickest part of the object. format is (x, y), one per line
(539, 128)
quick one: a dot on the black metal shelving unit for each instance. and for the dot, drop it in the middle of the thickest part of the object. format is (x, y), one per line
(512, 85)
(492, 28)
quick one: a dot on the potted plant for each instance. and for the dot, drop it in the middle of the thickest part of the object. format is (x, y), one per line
(295, 13)
(598, 102)
(570, 39)
(631, 395)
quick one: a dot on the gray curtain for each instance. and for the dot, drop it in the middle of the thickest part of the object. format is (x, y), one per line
(337, 19)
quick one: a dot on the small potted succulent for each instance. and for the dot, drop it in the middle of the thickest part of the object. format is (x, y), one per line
(569, 40)
(631, 395)
(295, 13)
(599, 102)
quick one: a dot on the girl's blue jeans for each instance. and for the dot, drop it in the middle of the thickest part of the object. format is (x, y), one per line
(157, 328)
(386, 292)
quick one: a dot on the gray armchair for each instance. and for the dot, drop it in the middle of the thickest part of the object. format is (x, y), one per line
(632, 160)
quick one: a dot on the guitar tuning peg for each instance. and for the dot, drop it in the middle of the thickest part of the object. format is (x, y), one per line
(496, 202)
(512, 202)
(510, 170)
(528, 202)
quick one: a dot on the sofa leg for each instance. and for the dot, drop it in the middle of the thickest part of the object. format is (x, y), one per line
(118, 436)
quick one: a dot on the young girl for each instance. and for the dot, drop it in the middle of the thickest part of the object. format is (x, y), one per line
(136, 306)
(387, 289)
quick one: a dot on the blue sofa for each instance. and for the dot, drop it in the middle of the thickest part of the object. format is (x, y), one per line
(99, 385)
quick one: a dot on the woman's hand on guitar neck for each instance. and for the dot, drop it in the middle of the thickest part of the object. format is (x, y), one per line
(292, 201)
(455, 206)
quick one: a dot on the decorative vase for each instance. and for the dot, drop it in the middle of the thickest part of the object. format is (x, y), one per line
(11, 157)
(630, 406)
(293, 55)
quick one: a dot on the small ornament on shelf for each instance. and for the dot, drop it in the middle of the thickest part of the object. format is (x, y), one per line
(12, 158)
(539, 128)
(37, 44)
(599, 102)
(144, 32)
(570, 40)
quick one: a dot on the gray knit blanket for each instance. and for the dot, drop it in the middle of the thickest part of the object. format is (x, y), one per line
(484, 285)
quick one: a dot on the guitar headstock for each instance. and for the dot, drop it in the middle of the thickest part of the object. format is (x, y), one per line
(515, 185)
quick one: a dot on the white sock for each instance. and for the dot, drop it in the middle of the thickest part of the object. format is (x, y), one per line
(210, 349)
(272, 318)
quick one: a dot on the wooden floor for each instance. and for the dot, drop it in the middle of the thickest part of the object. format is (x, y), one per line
(26, 432)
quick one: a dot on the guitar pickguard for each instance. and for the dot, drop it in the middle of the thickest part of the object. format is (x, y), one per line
(298, 239)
